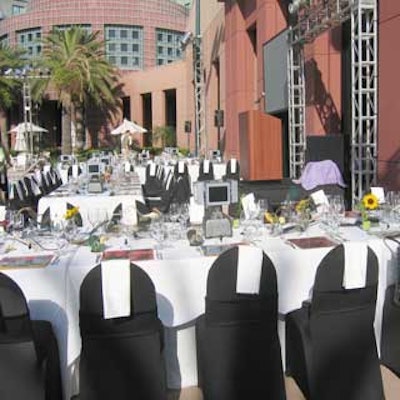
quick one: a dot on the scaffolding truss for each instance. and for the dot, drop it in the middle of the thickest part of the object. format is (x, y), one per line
(199, 97)
(316, 17)
(296, 86)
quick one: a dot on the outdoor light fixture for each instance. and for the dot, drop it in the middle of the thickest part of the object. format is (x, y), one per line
(186, 39)
(295, 5)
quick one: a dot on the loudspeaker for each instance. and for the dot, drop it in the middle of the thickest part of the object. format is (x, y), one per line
(219, 118)
(188, 126)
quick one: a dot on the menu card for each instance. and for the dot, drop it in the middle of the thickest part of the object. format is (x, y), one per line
(313, 242)
(26, 261)
(132, 255)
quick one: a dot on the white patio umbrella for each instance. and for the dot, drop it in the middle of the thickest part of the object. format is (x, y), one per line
(128, 126)
(27, 128)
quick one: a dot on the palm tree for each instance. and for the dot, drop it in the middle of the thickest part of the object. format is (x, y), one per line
(80, 74)
(10, 59)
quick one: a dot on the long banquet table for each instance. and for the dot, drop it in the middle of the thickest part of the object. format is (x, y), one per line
(179, 274)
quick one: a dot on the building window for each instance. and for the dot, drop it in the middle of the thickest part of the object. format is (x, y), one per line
(168, 46)
(129, 54)
(30, 40)
(4, 41)
(16, 9)
(85, 27)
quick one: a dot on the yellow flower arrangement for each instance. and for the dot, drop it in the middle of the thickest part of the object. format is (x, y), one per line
(71, 213)
(370, 201)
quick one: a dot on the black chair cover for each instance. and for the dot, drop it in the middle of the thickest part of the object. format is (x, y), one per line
(121, 358)
(238, 348)
(390, 340)
(228, 172)
(29, 359)
(203, 176)
(330, 342)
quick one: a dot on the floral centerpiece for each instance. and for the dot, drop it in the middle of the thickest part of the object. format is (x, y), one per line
(369, 202)
(303, 210)
(71, 216)
(71, 213)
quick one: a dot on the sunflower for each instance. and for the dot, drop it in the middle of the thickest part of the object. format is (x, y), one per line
(370, 201)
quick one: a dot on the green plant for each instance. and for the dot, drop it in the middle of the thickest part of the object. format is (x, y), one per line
(166, 135)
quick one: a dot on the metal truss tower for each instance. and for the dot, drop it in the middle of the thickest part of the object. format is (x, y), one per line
(364, 45)
(296, 86)
(313, 18)
(199, 99)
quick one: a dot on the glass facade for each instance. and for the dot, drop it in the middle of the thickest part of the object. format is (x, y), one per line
(124, 46)
(30, 40)
(168, 47)
(85, 27)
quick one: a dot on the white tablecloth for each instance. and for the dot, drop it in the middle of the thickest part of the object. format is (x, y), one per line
(86, 202)
(180, 282)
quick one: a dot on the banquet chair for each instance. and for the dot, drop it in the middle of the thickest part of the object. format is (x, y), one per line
(29, 359)
(232, 170)
(122, 357)
(70, 171)
(181, 169)
(238, 348)
(390, 342)
(330, 341)
(206, 171)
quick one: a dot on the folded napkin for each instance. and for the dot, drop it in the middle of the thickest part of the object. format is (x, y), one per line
(355, 265)
(75, 171)
(116, 288)
(206, 166)
(152, 169)
(249, 269)
(233, 162)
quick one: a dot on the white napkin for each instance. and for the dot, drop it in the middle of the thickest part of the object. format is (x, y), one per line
(168, 181)
(233, 165)
(152, 169)
(248, 205)
(206, 166)
(249, 269)
(75, 171)
(181, 167)
(35, 188)
(127, 166)
(2, 213)
(116, 288)
(38, 176)
(355, 265)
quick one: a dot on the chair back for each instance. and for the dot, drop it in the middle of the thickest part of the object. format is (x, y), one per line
(14, 313)
(206, 171)
(341, 331)
(121, 357)
(238, 347)
(232, 169)
(329, 295)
